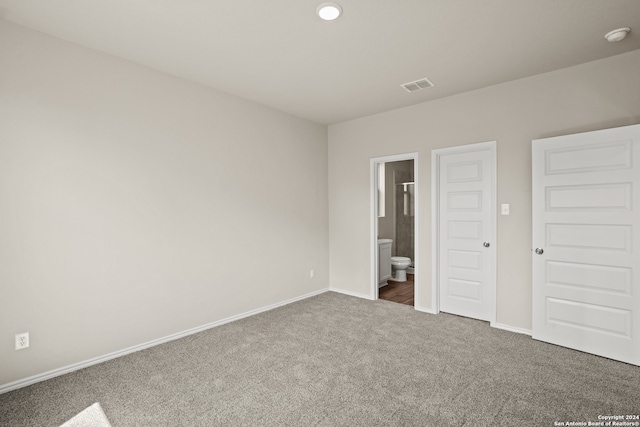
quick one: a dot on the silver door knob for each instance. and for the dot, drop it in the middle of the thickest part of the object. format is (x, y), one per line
(539, 251)
(486, 244)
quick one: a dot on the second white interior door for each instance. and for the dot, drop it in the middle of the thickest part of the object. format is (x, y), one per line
(586, 232)
(466, 246)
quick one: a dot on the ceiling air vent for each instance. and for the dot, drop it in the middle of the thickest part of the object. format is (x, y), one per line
(417, 85)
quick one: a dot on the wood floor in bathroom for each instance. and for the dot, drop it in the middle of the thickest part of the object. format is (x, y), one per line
(400, 292)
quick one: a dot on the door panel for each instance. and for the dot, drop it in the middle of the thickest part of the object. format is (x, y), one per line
(586, 223)
(465, 223)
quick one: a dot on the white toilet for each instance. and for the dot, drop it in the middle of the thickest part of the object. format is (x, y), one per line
(399, 265)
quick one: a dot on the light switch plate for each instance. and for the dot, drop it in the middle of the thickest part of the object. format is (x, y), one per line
(505, 209)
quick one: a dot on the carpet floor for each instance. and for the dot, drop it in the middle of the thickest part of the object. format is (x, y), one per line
(336, 360)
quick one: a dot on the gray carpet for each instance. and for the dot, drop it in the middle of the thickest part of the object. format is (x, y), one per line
(335, 360)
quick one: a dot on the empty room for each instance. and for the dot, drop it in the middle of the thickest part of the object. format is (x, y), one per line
(307, 213)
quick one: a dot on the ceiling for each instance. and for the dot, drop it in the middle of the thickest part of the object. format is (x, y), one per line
(279, 53)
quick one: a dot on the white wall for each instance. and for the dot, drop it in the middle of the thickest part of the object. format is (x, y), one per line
(591, 96)
(135, 205)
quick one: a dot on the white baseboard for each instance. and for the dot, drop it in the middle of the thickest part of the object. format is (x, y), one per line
(353, 294)
(85, 364)
(425, 310)
(512, 329)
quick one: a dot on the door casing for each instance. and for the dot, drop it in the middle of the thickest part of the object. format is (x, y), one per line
(374, 162)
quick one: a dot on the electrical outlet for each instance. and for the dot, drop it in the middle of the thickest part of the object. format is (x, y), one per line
(312, 273)
(22, 341)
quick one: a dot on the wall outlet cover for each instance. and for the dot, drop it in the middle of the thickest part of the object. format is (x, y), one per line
(22, 341)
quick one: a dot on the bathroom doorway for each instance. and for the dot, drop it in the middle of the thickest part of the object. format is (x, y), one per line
(394, 224)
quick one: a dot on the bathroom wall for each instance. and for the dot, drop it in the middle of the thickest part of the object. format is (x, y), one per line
(135, 205)
(404, 222)
(387, 224)
(596, 95)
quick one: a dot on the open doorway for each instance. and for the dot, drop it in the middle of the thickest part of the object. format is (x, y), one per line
(394, 221)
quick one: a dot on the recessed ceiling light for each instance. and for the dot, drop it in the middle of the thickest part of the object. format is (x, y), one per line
(329, 11)
(617, 35)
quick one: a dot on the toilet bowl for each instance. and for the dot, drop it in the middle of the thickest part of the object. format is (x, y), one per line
(399, 265)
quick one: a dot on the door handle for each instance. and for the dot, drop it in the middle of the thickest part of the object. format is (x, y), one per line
(539, 251)
(486, 244)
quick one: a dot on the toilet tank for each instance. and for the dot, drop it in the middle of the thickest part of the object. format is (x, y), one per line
(384, 259)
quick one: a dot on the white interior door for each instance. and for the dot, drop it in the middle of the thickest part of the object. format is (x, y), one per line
(586, 235)
(466, 220)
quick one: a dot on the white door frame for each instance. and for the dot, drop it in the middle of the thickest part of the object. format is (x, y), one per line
(435, 219)
(374, 162)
